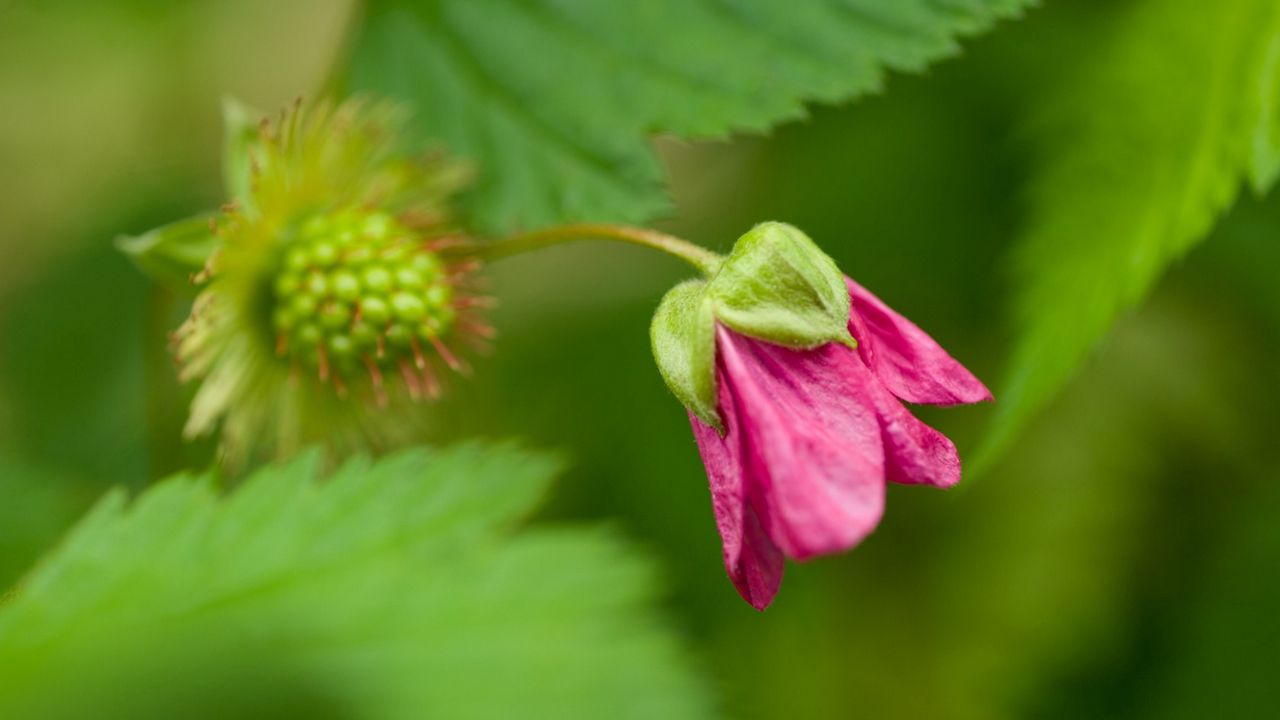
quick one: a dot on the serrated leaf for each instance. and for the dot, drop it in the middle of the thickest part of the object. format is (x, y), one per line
(171, 254)
(555, 101)
(392, 589)
(1143, 151)
(683, 337)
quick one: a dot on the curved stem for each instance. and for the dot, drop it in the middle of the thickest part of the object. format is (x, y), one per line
(697, 256)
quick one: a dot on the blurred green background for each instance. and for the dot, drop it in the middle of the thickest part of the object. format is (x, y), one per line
(1121, 561)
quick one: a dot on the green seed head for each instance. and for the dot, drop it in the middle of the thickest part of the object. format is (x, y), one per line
(333, 288)
(358, 292)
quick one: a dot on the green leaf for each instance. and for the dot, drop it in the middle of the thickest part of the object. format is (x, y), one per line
(392, 589)
(683, 334)
(1144, 149)
(173, 253)
(555, 101)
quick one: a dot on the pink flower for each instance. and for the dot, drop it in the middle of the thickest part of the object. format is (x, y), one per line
(812, 435)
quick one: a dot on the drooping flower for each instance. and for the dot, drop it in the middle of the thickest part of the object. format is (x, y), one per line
(794, 377)
(338, 289)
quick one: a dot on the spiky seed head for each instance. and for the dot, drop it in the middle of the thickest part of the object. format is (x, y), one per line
(340, 292)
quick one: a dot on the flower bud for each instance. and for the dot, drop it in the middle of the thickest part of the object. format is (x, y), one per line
(775, 285)
(683, 334)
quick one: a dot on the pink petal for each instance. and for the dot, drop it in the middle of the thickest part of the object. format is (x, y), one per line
(804, 429)
(914, 453)
(905, 358)
(753, 562)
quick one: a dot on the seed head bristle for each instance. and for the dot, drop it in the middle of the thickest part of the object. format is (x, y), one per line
(474, 326)
(419, 359)
(411, 383)
(432, 382)
(475, 301)
(375, 377)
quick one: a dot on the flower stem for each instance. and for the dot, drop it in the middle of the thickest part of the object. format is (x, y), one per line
(697, 256)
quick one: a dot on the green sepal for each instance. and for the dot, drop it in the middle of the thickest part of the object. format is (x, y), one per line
(172, 254)
(240, 136)
(777, 285)
(683, 334)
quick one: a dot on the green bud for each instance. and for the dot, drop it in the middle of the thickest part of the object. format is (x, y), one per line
(376, 279)
(287, 283)
(303, 305)
(335, 315)
(440, 319)
(375, 310)
(282, 317)
(777, 285)
(297, 259)
(399, 334)
(309, 334)
(377, 226)
(342, 346)
(439, 296)
(317, 284)
(408, 279)
(325, 254)
(345, 285)
(683, 336)
(407, 306)
(428, 265)
(364, 334)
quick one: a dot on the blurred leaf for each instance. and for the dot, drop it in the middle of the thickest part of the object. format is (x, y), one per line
(36, 504)
(1245, 251)
(555, 101)
(392, 589)
(171, 254)
(1221, 655)
(1143, 151)
(71, 368)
